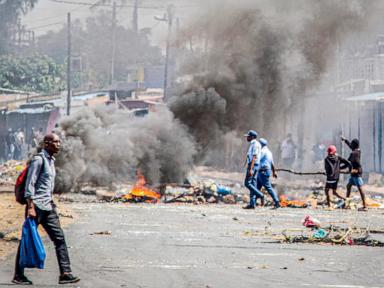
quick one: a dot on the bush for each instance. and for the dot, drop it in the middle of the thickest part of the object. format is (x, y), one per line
(37, 73)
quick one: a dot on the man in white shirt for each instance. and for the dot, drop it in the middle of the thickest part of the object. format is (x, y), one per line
(253, 163)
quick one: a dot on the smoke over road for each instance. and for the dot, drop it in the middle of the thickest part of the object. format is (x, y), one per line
(102, 146)
(253, 62)
(259, 60)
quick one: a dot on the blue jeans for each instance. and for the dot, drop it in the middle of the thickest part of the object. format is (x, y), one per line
(264, 181)
(250, 183)
(355, 181)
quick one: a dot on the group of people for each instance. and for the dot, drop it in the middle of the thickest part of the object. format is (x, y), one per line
(40, 180)
(14, 144)
(17, 144)
(334, 163)
(260, 167)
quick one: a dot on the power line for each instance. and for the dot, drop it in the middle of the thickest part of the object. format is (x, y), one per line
(56, 16)
(46, 25)
(118, 6)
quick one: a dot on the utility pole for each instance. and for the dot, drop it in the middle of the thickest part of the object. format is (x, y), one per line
(69, 60)
(135, 17)
(170, 14)
(113, 43)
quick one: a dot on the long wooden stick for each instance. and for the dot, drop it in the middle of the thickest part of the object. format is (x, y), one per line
(300, 173)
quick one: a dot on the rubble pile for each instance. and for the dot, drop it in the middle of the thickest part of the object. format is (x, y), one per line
(9, 171)
(203, 192)
(336, 235)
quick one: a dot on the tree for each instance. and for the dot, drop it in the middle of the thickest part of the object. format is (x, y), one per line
(37, 73)
(10, 10)
(92, 42)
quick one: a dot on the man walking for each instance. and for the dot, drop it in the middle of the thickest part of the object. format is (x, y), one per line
(253, 163)
(267, 168)
(38, 193)
(357, 171)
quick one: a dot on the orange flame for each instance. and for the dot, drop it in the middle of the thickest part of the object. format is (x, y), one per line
(139, 191)
(284, 202)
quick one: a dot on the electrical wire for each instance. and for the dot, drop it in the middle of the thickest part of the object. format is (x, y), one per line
(117, 5)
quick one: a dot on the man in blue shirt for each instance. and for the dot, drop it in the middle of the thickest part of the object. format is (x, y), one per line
(253, 163)
(266, 169)
(38, 193)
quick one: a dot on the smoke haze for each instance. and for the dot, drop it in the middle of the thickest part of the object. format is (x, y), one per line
(259, 59)
(104, 145)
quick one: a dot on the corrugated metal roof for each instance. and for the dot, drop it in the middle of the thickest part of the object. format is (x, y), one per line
(378, 96)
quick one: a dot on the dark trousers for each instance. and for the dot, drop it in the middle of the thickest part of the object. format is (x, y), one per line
(51, 224)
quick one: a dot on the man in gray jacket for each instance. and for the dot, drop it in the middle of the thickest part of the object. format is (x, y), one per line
(39, 188)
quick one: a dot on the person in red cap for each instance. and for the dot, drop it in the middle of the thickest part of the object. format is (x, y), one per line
(333, 163)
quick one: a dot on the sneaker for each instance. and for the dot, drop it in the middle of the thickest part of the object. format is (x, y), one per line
(68, 278)
(362, 209)
(21, 280)
(249, 207)
(275, 207)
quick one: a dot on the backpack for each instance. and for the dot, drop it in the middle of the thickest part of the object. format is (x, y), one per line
(20, 184)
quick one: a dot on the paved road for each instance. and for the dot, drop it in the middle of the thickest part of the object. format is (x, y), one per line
(206, 246)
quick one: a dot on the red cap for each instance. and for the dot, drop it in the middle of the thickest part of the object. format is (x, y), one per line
(331, 149)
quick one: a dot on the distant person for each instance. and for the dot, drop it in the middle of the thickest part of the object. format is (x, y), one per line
(253, 163)
(40, 206)
(357, 171)
(267, 168)
(318, 152)
(38, 137)
(333, 163)
(288, 152)
(10, 141)
(30, 138)
(19, 144)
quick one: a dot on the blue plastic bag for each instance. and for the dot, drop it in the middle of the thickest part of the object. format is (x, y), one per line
(223, 191)
(32, 252)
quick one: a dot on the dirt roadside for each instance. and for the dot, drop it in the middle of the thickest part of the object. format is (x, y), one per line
(12, 218)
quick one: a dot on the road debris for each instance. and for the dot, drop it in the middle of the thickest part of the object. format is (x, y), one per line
(311, 222)
(335, 235)
(9, 172)
(102, 233)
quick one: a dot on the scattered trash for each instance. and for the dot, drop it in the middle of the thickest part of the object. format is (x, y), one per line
(336, 236)
(311, 222)
(301, 259)
(320, 234)
(372, 204)
(235, 219)
(9, 172)
(223, 191)
(102, 233)
(65, 215)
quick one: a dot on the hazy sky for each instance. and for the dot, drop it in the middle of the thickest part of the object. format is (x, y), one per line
(52, 14)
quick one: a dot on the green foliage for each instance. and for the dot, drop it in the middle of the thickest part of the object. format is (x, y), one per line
(92, 43)
(38, 73)
(10, 10)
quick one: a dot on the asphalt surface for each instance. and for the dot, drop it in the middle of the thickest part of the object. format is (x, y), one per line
(206, 246)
